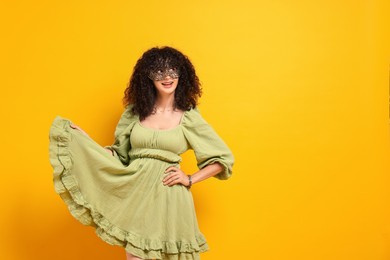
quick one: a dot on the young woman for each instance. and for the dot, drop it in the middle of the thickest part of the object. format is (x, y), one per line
(134, 191)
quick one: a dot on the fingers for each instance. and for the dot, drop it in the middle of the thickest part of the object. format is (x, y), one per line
(171, 178)
(109, 151)
(75, 127)
(171, 168)
(78, 128)
(174, 176)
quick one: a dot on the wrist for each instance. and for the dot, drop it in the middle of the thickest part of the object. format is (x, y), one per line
(189, 181)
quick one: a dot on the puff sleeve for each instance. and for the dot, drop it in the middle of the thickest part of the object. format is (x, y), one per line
(121, 145)
(208, 147)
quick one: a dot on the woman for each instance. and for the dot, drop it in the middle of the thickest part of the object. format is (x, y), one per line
(136, 195)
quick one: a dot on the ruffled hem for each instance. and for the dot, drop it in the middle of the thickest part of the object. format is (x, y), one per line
(67, 187)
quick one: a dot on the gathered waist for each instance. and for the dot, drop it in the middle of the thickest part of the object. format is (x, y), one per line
(158, 154)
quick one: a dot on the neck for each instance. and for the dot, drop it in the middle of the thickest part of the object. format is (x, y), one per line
(165, 102)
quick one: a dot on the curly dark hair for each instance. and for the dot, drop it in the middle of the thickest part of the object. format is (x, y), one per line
(141, 92)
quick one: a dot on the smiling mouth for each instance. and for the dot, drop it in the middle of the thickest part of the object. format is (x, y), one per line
(167, 83)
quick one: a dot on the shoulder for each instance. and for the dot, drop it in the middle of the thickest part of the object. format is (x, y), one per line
(193, 118)
(128, 115)
(128, 112)
(128, 118)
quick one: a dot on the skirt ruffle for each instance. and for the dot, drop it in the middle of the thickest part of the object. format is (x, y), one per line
(67, 187)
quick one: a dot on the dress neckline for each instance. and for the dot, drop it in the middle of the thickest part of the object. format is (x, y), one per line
(164, 130)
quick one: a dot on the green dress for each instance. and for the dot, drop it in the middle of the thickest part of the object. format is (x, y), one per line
(123, 196)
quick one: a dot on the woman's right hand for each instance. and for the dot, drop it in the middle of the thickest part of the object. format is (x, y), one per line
(111, 152)
(78, 128)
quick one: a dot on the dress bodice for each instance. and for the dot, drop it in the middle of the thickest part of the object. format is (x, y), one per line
(171, 140)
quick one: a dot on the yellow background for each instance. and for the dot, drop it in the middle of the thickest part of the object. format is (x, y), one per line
(297, 89)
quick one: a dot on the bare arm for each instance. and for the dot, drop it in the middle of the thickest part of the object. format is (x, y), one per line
(176, 176)
(207, 172)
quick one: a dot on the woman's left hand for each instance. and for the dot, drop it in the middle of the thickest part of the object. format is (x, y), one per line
(175, 176)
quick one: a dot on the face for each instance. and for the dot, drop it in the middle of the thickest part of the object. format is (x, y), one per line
(165, 80)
